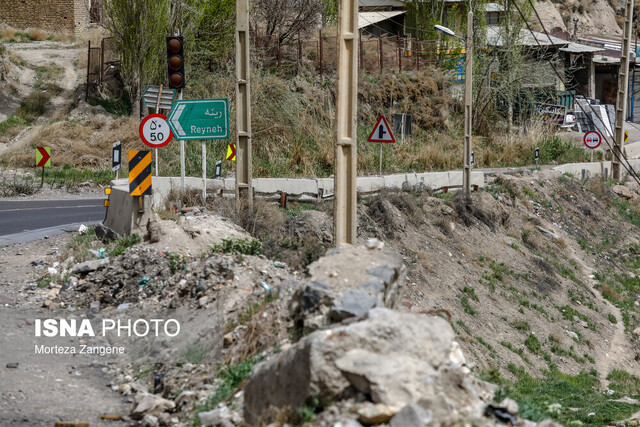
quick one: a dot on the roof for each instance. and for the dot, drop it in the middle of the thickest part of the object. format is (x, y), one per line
(386, 4)
(527, 38)
(369, 18)
(580, 48)
(493, 7)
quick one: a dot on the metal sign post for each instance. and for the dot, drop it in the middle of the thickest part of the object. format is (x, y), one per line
(468, 128)
(381, 133)
(204, 173)
(116, 157)
(537, 156)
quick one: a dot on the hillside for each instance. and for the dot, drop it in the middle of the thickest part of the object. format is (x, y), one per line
(604, 17)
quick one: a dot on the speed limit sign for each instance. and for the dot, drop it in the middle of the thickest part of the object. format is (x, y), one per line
(154, 131)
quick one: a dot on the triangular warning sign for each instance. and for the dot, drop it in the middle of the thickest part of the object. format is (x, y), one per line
(381, 132)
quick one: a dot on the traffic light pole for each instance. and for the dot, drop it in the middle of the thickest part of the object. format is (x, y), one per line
(623, 87)
(244, 187)
(345, 185)
(182, 167)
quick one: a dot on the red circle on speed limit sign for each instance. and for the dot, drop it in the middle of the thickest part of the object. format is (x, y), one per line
(155, 131)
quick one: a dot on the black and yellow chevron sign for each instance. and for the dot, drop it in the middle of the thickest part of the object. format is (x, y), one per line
(140, 173)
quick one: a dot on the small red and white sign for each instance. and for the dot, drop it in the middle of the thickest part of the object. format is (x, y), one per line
(155, 131)
(381, 132)
(592, 140)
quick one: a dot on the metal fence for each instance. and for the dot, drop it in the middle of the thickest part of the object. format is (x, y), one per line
(376, 54)
(102, 60)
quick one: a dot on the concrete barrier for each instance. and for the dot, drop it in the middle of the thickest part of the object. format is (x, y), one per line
(122, 213)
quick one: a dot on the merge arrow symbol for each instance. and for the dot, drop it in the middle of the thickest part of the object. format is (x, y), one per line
(175, 120)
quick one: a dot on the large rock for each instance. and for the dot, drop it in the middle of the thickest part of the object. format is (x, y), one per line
(348, 282)
(395, 358)
(89, 266)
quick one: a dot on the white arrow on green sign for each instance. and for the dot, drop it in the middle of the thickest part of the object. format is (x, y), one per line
(200, 119)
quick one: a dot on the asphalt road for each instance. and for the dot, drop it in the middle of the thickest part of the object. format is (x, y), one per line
(26, 220)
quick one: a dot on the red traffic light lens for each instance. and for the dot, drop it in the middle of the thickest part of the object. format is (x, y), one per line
(176, 80)
(174, 45)
(175, 62)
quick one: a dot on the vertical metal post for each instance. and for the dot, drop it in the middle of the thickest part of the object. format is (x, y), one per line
(345, 186)
(361, 54)
(157, 111)
(101, 61)
(182, 165)
(381, 53)
(86, 89)
(466, 175)
(204, 173)
(244, 188)
(380, 158)
(321, 50)
(623, 87)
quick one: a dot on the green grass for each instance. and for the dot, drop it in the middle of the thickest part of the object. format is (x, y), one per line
(11, 122)
(624, 383)
(568, 399)
(120, 106)
(69, 176)
(241, 246)
(232, 376)
(612, 318)
(466, 305)
(123, 243)
(518, 351)
(533, 344)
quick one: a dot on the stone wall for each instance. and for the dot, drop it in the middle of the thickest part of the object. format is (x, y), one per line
(67, 16)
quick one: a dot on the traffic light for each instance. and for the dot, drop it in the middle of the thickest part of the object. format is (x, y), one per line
(175, 62)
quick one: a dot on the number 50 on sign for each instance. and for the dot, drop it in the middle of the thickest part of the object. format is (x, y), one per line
(154, 131)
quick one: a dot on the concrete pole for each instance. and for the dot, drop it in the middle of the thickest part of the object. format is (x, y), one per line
(623, 87)
(345, 187)
(244, 188)
(468, 89)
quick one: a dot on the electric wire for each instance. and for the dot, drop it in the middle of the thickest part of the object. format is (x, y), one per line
(630, 170)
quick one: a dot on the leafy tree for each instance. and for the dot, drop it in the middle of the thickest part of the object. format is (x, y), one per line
(215, 31)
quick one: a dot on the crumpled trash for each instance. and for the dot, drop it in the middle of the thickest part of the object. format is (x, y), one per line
(52, 271)
(100, 253)
(83, 229)
(500, 414)
(265, 286)
(279, 264)
(143, 281)
(124, 306)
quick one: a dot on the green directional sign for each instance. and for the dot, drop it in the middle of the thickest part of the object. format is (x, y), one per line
(200, 119)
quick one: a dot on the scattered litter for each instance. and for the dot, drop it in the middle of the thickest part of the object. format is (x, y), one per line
(279, 264)
(52, 271)
(83, 229)
(124, 306)
(265, 286)
(38, 263)
(143, 281)
(12, 365)
(501, 414)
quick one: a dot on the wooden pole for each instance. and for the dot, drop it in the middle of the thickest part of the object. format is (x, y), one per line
(345, 186)
(466, 176)
(244, 187)
(381, 53)
(623, 87)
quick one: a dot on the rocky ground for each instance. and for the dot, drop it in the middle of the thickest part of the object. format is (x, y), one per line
(398, 329)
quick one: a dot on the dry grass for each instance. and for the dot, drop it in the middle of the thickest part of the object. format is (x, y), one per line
(561, 243)
(37, 35)
(80, 144)
(610, 292)
(8, 33)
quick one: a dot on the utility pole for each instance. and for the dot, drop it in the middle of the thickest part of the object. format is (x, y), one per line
(623, 87)
(345, 185)
(466, 175)
(244, 188)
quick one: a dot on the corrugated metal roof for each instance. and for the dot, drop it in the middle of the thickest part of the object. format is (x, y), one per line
(370, 18)
(527, 38)
(580, 48)
(380, 3)
(493, 7)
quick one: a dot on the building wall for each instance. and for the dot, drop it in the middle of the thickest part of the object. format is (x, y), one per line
(68, 16)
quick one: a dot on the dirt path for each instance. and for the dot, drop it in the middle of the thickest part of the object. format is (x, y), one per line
(43, 54)
(44, 389)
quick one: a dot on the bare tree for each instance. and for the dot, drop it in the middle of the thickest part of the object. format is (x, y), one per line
(286, 18)
(139, 28)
